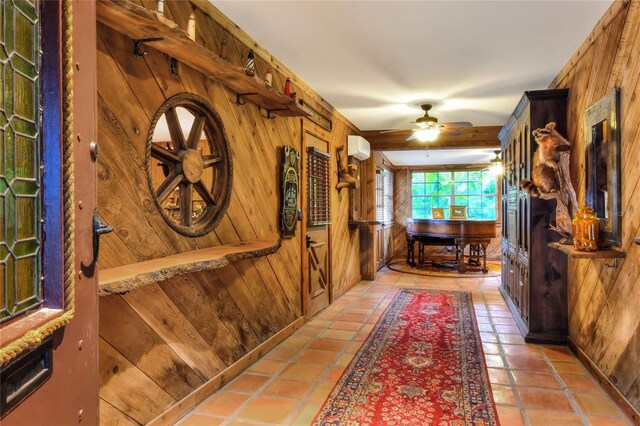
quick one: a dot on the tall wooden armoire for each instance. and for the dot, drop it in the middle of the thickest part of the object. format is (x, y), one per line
(534, 276)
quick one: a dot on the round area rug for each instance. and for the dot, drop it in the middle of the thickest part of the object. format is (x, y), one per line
(441, 271)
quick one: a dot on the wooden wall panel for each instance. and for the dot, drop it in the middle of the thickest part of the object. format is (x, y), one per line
(604, 321)
(161, 342)
(345, 258)
(402, 211)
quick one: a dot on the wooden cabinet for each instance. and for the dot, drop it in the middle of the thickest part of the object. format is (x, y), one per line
(534, 277)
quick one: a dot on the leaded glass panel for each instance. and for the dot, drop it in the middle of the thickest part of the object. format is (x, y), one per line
(20, 185)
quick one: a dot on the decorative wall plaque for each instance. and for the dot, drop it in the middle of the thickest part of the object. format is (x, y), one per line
(290, 160)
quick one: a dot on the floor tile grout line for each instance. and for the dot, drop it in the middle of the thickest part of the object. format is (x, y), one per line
(484, 292)
(510, 377)
(304, 401)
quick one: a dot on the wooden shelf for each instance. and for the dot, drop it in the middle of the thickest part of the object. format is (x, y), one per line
(140, 23)
(600, 254)
(129, 277)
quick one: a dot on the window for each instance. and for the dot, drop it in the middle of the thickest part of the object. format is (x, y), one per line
(318, 187)
(474, 189)
(20, 174)
(384, 195)
(36, 200)
(388, 196)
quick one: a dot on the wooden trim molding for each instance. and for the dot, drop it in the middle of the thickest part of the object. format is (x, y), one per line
(188, 403)
(346, 288)
(606, 384)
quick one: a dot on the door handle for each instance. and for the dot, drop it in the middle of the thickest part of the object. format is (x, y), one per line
(310, 241)
(99, 228)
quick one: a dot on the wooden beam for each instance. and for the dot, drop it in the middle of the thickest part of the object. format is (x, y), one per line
(470, 137)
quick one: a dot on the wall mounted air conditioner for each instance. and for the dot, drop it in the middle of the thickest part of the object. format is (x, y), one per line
(358, 147)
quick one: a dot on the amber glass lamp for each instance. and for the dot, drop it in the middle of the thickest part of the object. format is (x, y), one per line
(585, 229)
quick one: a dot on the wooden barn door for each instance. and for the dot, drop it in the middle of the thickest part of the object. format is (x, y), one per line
(316, 263)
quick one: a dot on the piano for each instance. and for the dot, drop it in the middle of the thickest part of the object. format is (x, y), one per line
(459, 234)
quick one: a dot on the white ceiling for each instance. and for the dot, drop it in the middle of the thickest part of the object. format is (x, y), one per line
(377, 61)
(440, 156)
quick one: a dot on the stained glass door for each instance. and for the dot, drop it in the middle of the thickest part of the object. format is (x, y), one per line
(20, 173)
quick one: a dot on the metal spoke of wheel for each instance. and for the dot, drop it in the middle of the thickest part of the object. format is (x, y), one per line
(210, 161)
(175, 130)
(168, 186)
(163, 154)
(204, 193)
(186, 195)
(196, 131)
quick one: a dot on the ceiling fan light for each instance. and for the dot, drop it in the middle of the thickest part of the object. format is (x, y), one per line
(427, 135)
(496, 165)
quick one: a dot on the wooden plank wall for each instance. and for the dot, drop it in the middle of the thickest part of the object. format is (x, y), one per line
(402, 211)
(161, 342)
(604, 319)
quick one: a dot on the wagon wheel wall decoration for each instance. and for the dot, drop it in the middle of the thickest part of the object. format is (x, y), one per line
(189, 164)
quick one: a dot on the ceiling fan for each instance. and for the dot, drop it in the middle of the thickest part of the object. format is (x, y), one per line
(427, 127)
(494, 166)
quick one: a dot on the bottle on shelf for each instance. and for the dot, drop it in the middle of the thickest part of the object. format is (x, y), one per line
(268, 78)
(251, 64)
(223, 48)
(287, 87)
(191, 26)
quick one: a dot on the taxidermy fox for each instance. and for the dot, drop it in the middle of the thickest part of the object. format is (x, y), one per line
(545, 161)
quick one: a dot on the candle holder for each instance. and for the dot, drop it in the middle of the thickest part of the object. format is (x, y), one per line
(586, 227)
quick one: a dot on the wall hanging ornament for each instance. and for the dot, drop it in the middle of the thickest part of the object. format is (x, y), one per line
(345, 179)
(603, 165)
(189, 167)
(551, 178)
(290, 160)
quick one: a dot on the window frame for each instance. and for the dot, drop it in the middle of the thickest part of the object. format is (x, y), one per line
(452, 195)
(384, 199)
(30, 329)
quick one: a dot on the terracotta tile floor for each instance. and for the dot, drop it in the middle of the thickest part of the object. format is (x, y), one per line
(532, 384)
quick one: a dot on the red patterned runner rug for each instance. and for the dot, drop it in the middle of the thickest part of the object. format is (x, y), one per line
(422, 364)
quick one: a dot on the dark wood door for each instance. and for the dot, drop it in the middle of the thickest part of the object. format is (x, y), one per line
(70, 395)
(316, 247)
